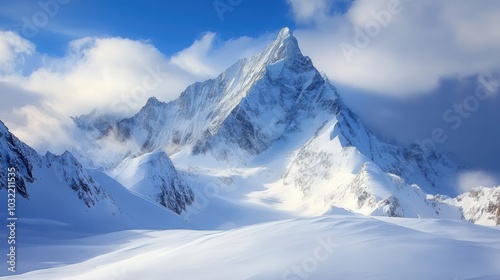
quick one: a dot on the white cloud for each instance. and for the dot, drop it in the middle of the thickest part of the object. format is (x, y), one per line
(13, 51)
(305, 11)
(43, 127)
(472, 179)
(193, 59)
(402, 47)
(115, 74)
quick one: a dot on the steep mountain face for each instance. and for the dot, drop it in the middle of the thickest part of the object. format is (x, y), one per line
(15, 154)
(480, 205)
(248, 107)
(68, 170)
(432, 171)
(329, 171)
(276, 107)
(28, 164)
(57, 192)
(347, 166)
(154, 176)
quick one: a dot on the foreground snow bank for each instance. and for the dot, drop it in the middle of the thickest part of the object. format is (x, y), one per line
(328, 247)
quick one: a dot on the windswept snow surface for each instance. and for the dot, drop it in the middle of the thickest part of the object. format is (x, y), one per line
(327, 247)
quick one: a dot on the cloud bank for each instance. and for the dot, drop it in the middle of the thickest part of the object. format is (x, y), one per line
(471, 179)
(400, 47)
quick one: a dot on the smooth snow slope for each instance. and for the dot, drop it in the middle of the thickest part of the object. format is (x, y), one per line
(323, 248)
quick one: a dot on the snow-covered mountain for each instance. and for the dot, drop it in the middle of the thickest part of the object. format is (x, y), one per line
(259, 150)
(15, 154)
(154, 176)
(480, 205)
(56, 191)
(248, 107)
(27, 162)
(276, 112)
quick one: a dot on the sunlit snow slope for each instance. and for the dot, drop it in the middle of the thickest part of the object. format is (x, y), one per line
(330, 247)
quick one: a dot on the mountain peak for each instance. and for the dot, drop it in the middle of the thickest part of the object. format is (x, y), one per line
(3, 128)
(284, 33)
(284, 47)
(153, 101)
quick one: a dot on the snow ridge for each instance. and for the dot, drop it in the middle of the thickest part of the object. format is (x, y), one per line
(153, 175)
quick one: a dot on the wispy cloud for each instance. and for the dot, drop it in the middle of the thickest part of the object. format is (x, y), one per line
(13, 51)
(472, 179)
(309, 11)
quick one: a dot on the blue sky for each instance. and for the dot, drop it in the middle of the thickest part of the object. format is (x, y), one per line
(401, 64)
(169, 25)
